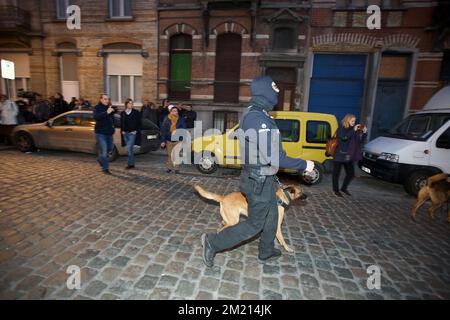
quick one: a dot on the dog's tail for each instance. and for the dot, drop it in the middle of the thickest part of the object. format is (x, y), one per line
(208, 195)
(436, 178)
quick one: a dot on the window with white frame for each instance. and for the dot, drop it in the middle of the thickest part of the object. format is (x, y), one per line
(120, 8)
(61, 9)
(124, 77)
(22, 74)
(12, 87)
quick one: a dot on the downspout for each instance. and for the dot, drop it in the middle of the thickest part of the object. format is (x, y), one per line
(41, 25)
(157, 52)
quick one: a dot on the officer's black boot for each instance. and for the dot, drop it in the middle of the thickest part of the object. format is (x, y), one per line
(273, 256)
(208, 251)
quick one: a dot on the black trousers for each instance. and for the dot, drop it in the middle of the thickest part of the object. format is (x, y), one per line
(262, 217)
(349, 174)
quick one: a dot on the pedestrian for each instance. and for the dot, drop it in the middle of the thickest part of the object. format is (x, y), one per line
(130, 130)
(8, 120)
(72, 103)
(150, 115)
(189, 116)
(104, 130)
(163, 111)
(350, 139)
(60, 105)
(170, 123)
(258, 177)
(41, 109)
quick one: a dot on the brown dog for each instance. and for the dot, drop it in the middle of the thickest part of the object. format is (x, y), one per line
(438, 190)
(234, 204)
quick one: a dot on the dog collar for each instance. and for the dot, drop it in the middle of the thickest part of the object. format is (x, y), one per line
(281, 203)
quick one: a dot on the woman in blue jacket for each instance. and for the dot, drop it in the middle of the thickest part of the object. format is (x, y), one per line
(169, 124)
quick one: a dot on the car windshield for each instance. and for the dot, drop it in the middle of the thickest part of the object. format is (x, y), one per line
(418, 127)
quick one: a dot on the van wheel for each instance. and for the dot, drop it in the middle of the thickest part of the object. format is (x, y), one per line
(313, 177)
(207, 163)
(416, 181)
(24, 142)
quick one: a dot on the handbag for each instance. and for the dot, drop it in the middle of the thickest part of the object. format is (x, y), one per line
(331, 146)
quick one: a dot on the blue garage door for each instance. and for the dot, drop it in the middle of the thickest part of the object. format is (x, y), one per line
(337, 84)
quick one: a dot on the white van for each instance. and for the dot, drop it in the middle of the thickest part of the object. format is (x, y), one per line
(416, 148)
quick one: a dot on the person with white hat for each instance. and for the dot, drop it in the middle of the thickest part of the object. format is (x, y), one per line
(170, 123)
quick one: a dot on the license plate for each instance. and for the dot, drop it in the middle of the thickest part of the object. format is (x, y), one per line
(365, 169)
(152, 136)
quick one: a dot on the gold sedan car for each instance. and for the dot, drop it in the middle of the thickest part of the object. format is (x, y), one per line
(74, 131)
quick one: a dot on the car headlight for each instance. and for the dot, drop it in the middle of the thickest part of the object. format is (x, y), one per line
(388, 157)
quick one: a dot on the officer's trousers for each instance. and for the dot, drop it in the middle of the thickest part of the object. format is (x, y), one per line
(262, 216)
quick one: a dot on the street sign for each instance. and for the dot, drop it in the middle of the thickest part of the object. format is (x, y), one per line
(8, 70)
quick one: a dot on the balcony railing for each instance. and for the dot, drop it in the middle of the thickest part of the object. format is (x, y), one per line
(12, 18)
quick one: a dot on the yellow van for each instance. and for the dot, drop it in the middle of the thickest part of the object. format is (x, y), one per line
(304, 135)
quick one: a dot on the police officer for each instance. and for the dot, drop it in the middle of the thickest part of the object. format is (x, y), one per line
(258, 180)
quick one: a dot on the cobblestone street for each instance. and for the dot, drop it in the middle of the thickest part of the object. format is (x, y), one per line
(136, 235)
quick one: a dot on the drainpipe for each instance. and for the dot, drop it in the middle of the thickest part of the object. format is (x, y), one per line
(157, 52)
(41, 25)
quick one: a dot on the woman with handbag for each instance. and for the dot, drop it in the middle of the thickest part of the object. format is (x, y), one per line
(350, 138)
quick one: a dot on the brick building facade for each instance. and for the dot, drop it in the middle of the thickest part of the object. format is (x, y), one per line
(379, 75)
(227, 44)
(114, 51)
(206, 52)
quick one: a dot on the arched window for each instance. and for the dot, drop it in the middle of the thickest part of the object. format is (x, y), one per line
(228, 67)
(180, 67)
(283, 38)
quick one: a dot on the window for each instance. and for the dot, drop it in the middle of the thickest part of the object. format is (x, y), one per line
(124, 77)
(228, 68)
(124, 87)
(87, 120)
(180, 67)
(74, 119)
(224, 120)
(418, 127)
(61, 9)
(120, 8)
(13, 87)
(444, 140)
(283, 39)
(289, 130)
(317, 131)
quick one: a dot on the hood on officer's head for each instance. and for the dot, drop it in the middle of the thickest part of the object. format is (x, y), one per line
(265, 87)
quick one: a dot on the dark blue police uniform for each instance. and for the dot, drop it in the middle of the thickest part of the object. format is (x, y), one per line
(257, 180)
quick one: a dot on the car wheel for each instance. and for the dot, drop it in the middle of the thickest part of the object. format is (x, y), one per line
(207, 163)
(416, 181)
(113, 155)
(314, 177)
(24, 142)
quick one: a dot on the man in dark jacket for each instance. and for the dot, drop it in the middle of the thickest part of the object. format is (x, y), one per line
(104, 130)
(258, 180)
(130, 130)
(41, 110)
(60, 105)
(150, 115)
(189, 116)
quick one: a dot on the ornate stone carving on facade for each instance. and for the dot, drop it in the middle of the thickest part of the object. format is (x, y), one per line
(180, 28)
(350, 41)
(344, 39)
(229, 26)
(400, 41)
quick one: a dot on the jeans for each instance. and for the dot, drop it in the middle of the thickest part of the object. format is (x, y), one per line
(349, 174)
(262, 217)
(130, 138)
(105, 145)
